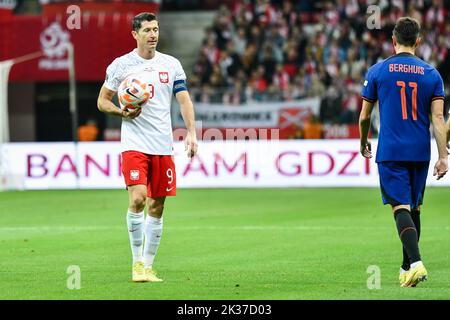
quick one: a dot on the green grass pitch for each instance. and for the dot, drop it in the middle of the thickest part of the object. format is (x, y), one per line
(219, 244)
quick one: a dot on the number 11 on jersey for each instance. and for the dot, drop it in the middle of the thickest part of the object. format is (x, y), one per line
(413, 85)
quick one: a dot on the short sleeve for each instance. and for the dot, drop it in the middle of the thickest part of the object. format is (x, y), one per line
(179, 72)
(438, 87)
(369, 89)
(113, 76)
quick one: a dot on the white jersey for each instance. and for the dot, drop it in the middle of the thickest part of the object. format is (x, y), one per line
(151, 131)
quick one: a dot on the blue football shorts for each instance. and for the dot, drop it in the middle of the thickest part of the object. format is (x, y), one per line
(402, 182)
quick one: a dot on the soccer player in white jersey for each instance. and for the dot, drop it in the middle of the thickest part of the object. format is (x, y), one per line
(146, 138)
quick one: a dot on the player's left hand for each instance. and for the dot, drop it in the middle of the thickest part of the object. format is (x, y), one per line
(366, 150)
(190, 145)
(440, 168)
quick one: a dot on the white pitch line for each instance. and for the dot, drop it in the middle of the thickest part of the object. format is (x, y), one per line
(238, 228)
(56, 228)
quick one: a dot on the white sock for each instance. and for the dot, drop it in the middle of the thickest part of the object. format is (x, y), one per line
(153, 231)
(415, 264)
(135, 223)
(402, 271)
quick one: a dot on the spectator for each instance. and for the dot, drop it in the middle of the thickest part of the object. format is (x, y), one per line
(351, 105)
(274, 94)
(249, 58)
(312, 129)
(317, 88)
(222, 27)
(88, 131)
(203, 68)
(211, 51)
(258, 83)
(217, 83)
(330, 106)
(281, 78)
(269, 62)
(256, 35)
(236, 94)
(291, 65)
(240, 40)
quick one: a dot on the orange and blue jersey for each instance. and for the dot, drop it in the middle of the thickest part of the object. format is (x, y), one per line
(404, 86)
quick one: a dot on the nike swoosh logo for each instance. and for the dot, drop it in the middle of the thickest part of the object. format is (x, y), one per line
(169, 189)
(132, 230)
(128, 91)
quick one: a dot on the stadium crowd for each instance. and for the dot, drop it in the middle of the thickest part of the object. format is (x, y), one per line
(284, 50)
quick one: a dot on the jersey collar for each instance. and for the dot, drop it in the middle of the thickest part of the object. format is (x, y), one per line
(142, 59)
(403, 54)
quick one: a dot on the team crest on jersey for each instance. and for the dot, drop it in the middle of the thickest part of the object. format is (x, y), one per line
(134, 174)
(164, 77)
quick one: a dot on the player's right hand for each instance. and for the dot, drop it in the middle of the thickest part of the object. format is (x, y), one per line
(366, 150)
(131, 113)
(440, 168)
(191, 145)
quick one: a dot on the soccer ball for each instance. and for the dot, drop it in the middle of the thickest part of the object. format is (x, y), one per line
(133, 92)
